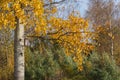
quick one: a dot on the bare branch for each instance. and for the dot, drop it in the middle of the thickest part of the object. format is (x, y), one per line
(67, 33)
(53, 3)
(48, 38)
(55, 32)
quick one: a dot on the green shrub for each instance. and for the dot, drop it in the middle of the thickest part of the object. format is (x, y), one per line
(102, 67)
(53, 63)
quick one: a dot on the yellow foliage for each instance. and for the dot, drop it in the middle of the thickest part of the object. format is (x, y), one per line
(72, 34)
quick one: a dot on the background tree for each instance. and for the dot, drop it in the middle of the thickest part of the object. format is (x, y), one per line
(103, 15)
(6, 54)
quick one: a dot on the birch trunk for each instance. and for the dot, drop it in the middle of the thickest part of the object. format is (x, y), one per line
(111, 39)
(19, 51)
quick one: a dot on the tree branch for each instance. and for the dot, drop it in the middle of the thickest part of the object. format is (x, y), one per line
(40, 37)
(53, 3)
(46, 38)
(54, 32)
(67, 33)
(28, 8)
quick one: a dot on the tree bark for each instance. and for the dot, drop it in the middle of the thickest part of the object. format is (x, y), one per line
(19, 51)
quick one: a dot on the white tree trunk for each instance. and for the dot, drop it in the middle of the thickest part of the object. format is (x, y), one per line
(19, 51)
(112, 44)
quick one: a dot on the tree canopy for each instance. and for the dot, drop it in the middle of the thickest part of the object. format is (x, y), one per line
(71, 34)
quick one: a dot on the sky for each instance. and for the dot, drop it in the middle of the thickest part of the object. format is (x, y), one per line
(83, 7)
(77, 5)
